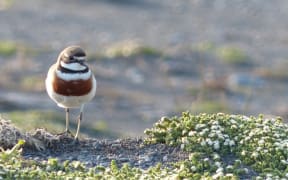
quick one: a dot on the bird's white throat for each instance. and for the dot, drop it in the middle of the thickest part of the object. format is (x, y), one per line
(73, 66)
(73, 76)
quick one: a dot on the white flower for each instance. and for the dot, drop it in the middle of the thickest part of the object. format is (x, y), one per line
(182, 167)
(218, 132)
(216, 145)
(193, 168)
(214, 127)
(234, 127)
(201, 133)
(229, 167)
(261, 142)
(184, 140)
(206, 159)
(216, 156)
(192, 133)
(219, 170)
(226, 142)
(247, 138)
(266, 128)
(229, 175)
(255, 154)
(203, 143)
(218, 164)
(226, 136)
(284, 162)
(211, 135)
(246, 118)
(233, 121)
(217, 175)
(182, 146)
(246, 170)
(220, 136)
(238, 161)
(209, 142)
(231, 143)
(251, 133)
(276, 135)
(199, 126)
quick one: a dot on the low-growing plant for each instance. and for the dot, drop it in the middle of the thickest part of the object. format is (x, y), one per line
(233, 55)
(205, 46)
(256, 142)
(129, 48)
(209, 106)
(7, 48)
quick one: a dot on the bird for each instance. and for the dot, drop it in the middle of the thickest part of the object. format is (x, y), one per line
(70, 83)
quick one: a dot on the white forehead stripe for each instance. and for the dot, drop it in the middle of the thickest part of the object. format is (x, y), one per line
(73, 76)
(73, 66)
(82, 58)
(79, 58)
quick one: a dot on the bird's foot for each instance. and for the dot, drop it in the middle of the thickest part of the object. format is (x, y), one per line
(66, 134)
(76, 141)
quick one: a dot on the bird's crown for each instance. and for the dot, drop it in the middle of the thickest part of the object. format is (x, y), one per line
(72, 54)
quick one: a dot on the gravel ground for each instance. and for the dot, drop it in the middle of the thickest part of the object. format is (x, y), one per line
(93, 152)
(41, 145)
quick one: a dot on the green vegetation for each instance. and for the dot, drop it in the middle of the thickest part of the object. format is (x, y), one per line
(257, 145)
(53, 122)
(126, 48)
(209, 106)
(101, 125)
(7, 48)
(205, 46)
(221, 146)
(228, 54)
(232, 55)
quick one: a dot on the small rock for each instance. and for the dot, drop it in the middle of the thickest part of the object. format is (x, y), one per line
(165, 158)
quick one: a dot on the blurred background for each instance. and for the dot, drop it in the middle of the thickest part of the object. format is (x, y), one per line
(151, 59)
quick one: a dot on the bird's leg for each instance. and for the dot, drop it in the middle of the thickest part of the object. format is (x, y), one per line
(79, 122)
(67, 121)
(67, 130)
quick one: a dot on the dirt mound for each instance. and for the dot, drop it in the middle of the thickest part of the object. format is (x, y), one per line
(42, 145)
